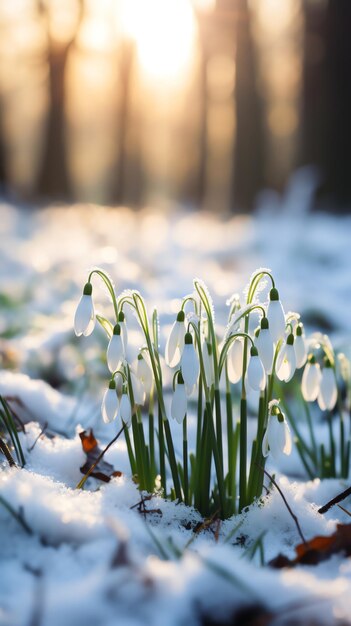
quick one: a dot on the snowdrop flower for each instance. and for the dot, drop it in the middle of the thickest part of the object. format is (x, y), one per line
(277, 438)
(109, 406)
(328, 392)
(300, 347)
(124, 330)
(189, 363)
(179, 400)
(175, 342)
(144, 373)
(276, 316)
(311, 379)
(256, 376)
(264, 345)
(84, 318)
(125, 409)
(235, 360)
(138, 389)
(286, 362)
(208, 362)
(115, 351)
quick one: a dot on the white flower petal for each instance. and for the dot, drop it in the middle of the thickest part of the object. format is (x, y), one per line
(144, 373)
(125, 410)
(115, 352)
(256, 375)
(109, 406)
(84, 318)
(286, 363)
(328, 392)
(235, 360)
(264, 345)
(276, 318)
(311, 381)
(190, 365)
(175, 344)
(179, 403)
(138, 389)
(300, 351)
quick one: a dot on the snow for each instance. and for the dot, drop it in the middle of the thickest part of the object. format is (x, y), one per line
(92, 559)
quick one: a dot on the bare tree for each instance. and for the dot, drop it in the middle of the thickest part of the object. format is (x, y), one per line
(54, 178)
(248, 151)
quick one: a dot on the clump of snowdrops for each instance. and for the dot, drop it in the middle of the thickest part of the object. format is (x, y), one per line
(218, 373)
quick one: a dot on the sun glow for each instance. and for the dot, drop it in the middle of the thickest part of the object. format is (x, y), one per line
(164, 33)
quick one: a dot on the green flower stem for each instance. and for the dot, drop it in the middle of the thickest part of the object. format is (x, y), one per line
(152, 434)
(161, 446)
(10, 426)
(136, 301)
(243, 453)
(243, 427)
(311, 431)
(230, 436)
(258, 461)
(185, 461)
(131, 456)
(332, 445)
(209, 417)
(139, 454)
(109, 286)
(208, 309)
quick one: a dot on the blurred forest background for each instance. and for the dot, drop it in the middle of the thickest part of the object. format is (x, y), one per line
(200, 102)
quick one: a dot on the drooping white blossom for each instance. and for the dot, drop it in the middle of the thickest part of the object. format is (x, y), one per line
(175, 342)
(256, 376)
(84, 318)
(286, 361)
(144, 372)
(189, 363)
(328, 392)
(109, 406)
(300, 347)
(235, 360)
(277, 438)
(264, 345)
(138, 389)
(125, 409)
(115, 349)
(276, 316)
(124, 330)
(311, 379)
(179, 400)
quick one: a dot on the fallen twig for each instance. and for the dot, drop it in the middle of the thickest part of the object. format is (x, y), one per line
(339, 498)
(91, 469)
(286, 504)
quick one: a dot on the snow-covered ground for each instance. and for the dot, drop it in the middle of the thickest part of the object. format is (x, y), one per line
(87, 557)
